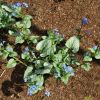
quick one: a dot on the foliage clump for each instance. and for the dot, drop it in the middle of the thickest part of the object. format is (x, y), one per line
(41, 55)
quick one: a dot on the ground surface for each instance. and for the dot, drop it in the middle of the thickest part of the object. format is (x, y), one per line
(65, 15)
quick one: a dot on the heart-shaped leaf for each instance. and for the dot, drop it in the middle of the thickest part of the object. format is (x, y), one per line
(65, 78)
(87, 58)
(19, 40)
(86, 66)
(11, 63)
(97, 54)
(73, 43)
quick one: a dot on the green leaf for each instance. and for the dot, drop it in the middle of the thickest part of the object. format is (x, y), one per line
(27, 21)
(11, 63)
(75, 62)
(86, 66)
(13, 33)
(39, 46)
(46, 47)
(65, 78)
(19, 39)
(39, 81)
(58, 57)
(87, 58)
(5, 54)
(97, 54)
(26, 56)
(50, 50)
(28, 71)
(43, 71)
(19, 25)
(44, 37)
(91, 50)
(6, 8)
(26, 32)
(46, 64)
(9, 48)
(33, 39)
(73, 43)
(57, 70)
(13, 54)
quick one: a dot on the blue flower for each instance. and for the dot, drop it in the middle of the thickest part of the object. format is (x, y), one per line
(18, 4)
(26, 49)
(31, 90)
(56, 31)
(25, 4)
(68, 69)
(84, 21)
(47, 93)
(95, 47)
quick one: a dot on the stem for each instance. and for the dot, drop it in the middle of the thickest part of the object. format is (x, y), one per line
(2, 73)
(20, 61)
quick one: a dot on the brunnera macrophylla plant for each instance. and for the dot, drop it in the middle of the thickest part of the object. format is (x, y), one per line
(41, 55)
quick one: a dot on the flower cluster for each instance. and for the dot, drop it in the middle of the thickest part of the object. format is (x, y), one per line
(95, 47)
(18, 4)
(68, 69)
(85, 21)
(56, 31)
(32, 89)
(26, 49)
(47, 93)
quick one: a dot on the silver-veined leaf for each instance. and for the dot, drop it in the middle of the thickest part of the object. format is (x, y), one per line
(73, 43)
(11, 63)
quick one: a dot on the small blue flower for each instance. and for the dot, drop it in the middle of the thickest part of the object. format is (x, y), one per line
(68, 69)
(47, 93)
(26, 49)
(95, 47)
(25, 4)
(56, 31)
(18, 4)
(84, 21)
(31, 90)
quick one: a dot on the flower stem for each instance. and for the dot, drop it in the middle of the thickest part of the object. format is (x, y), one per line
(2, 73)
(20, 61)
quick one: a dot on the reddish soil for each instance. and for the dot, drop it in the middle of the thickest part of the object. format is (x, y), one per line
(65, 15)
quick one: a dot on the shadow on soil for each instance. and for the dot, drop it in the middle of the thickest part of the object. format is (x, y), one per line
(58, 1)
(14, 85)
(36, 30)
